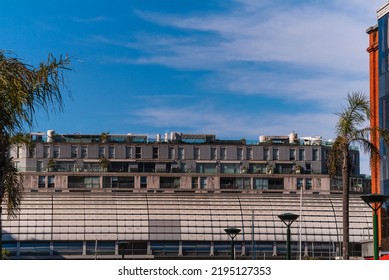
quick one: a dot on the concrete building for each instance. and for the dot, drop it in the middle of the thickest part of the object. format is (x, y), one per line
(173, 196)
(378, 50)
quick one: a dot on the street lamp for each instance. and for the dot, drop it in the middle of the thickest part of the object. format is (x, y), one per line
(375, 202)
(232, 232)
(288, 219)
(122, 245)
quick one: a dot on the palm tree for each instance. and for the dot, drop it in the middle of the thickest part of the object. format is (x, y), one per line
(352, 128)
(23, 90)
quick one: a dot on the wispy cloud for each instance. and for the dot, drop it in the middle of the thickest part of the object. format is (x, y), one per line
(90, 19)
(319, 47)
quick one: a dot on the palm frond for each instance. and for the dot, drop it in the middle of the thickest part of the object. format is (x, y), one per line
(13, 189)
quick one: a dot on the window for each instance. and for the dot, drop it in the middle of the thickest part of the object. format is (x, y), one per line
(223, 154)
(138, 152)
(301, 154)
(292, 154)
(56, 152)
(203, 182)
(230, 168)
(315, 154)
(196, 153)
(39, 166)
(46, 151)
(169, 182)
(83, 182)
(300, 183)
(143, 182)
(84, 151)
(74, 151)
(195, 182)
(249, 153)
(42, 182)
(171, 153)
(111, 152)
(32, 152)
(128, 152)
(118, 182)
(240, 153)
(92, 182)
(266, 154)
(213, 153)
(50, 182)
(308, 183)
(275, 154)
(180, 153)
(101, 152)
(155, 152)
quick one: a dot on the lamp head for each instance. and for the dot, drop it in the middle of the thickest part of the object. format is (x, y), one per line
(232, 231)
(288, 218)
(375, 200)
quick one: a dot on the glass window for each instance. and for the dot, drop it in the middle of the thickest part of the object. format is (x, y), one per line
(195, 182)
(275, 154)
(32, 152)
(84, 151)
(213, 153)
(143, 182)
(171, 153)
(223, 154)
(56, 152)
(300, 183)
(42, 182)
(180, 153)
(74, 151)
(315, 154)
(155, 152)
(196, 153)
(128, 152)
(39, 166)
(292, 154)
(301, 154)
(266, 154)
(138, 152)
(111, 152)
(249, 152)
(50, 182)
(230, 168)
(46, 151)
(240, 153)
(206, 168)
(308, 183)
(101, 152)
(92, 182)
(203, 182)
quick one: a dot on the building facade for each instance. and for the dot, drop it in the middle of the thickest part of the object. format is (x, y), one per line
(173, 196)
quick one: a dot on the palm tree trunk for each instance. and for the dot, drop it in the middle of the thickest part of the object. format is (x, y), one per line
(346, 195)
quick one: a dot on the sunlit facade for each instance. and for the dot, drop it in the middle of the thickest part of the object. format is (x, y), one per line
(173, 196)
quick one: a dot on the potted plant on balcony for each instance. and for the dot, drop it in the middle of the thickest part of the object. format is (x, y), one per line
(298, 169)
(104, 163)
(50, 165)
(104, 137)
(269, 169)
(243, 169)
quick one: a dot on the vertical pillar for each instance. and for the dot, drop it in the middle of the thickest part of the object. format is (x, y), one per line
(180, 248)
(212, 249)
(374, 109)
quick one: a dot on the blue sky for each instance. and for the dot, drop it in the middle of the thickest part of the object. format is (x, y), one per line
(237, 69)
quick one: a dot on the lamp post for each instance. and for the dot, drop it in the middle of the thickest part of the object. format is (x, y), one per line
(122, 245)
(375, 202)
(288, 219)
(232, 232)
